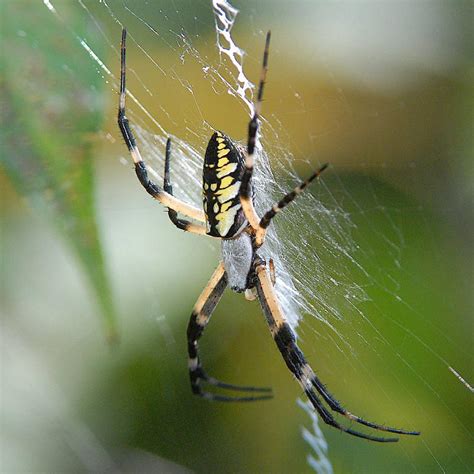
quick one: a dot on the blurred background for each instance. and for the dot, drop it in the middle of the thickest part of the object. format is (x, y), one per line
(97, 286)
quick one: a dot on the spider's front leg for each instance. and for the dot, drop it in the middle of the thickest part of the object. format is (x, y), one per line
(182, 224)
(245, 188)
(286, 341)
(260, 225)
(141, 171)
(200, 316)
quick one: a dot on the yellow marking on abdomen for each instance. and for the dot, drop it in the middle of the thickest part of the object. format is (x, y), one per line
(226, 220)
(226, 206)
(225, 170)
(225, 182)
(224, 195)
(223, 152)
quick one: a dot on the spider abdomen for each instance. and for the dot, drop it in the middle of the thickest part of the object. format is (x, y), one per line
(222, 175)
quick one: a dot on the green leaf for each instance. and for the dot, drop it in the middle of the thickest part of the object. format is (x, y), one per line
(51, 109)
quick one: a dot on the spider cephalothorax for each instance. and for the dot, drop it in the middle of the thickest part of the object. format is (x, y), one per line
(229, 214)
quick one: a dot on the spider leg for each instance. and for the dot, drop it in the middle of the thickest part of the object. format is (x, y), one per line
(287, 199)
(296, 362)
(336, 406)
(271, 269)
(140, 168)
(245, 188)
(200, 316)
(182, 224)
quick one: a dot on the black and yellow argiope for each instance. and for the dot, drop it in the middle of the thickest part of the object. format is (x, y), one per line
(229, 215)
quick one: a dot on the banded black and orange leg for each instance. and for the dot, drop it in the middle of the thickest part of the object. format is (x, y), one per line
(245, 188)
(286, 342)
(282, 203)
(152, 188)
(200, 316)
(271, 269)
(182, 224)
(260, 225)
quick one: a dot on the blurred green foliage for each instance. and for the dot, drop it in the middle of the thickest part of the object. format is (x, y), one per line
(411, 238)
(51, 109)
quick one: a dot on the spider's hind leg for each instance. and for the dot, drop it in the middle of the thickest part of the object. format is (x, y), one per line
(200, 316)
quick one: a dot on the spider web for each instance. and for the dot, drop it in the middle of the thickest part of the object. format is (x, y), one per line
(334, 280)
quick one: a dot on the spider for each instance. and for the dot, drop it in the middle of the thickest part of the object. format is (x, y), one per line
(229, 215)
